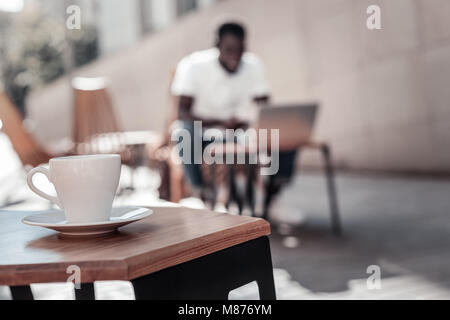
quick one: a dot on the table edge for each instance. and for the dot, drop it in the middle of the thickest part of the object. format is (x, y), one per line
(130, 268)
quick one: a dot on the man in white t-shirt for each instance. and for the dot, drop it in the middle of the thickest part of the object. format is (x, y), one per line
(220, 86)
(217, 85)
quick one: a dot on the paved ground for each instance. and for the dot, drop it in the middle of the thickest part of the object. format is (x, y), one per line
(400, 224)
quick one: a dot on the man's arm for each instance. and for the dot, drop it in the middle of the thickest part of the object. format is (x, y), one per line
(184, 107)
(185, 112)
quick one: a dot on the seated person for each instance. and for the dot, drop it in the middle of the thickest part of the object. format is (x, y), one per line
(218, 86)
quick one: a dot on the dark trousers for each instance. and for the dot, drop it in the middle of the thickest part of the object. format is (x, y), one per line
(193, 170)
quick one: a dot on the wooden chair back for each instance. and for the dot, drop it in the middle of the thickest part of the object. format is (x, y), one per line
(28, 150)
(94, 116)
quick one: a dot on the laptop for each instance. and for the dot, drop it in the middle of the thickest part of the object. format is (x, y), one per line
(295, 123)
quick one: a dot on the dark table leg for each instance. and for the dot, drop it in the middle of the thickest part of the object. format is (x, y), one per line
(264, 275)
(21, 293)
(86, 292)
(213, 276)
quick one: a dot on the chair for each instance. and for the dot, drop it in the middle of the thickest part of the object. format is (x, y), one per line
(331, 186)
(28, 150)
(325, 150)
(95, 127)
(250, 173)
(172, 187)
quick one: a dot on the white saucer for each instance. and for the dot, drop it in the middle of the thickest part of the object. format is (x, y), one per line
(56, 220)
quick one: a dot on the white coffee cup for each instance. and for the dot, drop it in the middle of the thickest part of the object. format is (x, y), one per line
(85, 185)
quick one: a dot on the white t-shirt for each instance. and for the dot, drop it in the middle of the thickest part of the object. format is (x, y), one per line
(218, 94)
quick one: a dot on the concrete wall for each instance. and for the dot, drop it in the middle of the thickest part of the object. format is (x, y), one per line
(384, 93)
(114, 31)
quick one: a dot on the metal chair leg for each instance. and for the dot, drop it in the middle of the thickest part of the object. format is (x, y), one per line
(211, 188)
(272, 188)
(331, 187)
(234, 194)
(250, 188)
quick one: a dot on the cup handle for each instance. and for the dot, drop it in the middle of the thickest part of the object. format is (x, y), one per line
(36, 190)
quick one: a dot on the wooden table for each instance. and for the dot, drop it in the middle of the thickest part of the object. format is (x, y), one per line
(176, 253)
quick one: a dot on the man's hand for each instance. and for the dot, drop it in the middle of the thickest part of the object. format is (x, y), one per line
(234, 123)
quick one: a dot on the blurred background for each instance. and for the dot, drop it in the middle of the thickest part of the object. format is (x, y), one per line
(383, 92)
(385, 113)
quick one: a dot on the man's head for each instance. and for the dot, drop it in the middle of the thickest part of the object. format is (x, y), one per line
(231, 44)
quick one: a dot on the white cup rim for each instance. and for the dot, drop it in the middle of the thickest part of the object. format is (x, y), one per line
(87, 157)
